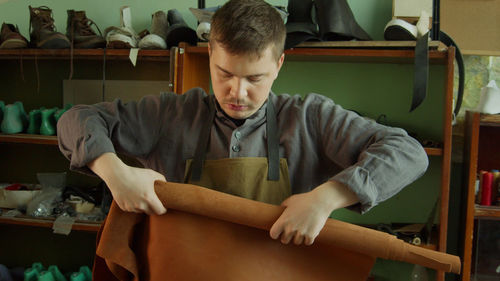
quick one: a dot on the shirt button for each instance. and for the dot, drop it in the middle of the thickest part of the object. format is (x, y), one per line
(236, 148)
(237, 135)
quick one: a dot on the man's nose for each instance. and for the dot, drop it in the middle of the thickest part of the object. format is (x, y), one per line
(238, 88)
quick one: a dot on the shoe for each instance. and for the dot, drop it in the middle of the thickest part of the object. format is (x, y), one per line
(400, 30)
(156, 38)
(61, 111)
(336, 21)
(35, 120)
(56, 273)
(86, 272)
(80, 33)
(300, 25)
(48, 125)
(2, 110)
(46, 276)
(123, 37)
(43, 32)
(178, 31)
(204, 17)
(14, 119)
(11, 38)
(31, 274)
(78, 276)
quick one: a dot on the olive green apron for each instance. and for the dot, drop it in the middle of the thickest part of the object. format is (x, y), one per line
(257, 178)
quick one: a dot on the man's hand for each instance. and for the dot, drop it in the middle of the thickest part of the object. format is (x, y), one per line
(306, 213)
(132, 188)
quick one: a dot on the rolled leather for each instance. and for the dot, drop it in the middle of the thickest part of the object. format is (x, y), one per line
(209, 235)
(202, 201)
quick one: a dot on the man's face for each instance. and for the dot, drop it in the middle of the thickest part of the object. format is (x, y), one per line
(241, 83)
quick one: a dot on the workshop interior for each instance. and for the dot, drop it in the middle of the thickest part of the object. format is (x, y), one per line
(430, 68)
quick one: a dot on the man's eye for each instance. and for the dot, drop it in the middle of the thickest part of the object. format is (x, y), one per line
(254, 79)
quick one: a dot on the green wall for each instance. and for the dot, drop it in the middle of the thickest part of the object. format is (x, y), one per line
(372, 15)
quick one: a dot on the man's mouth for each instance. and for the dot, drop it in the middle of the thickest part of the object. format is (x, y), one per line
(236, 107)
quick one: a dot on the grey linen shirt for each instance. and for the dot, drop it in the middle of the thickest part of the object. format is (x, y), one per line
(319, 139)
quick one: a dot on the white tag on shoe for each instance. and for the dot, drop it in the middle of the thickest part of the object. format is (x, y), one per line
(133, 55)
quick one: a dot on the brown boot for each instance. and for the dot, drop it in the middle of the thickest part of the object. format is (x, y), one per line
(80, 33)
(43, 31)
(11, 38)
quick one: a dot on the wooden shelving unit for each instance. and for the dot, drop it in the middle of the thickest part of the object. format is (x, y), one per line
(481, 152)
(90, 54)
(193, 71)
(26, 138)
(46, 222)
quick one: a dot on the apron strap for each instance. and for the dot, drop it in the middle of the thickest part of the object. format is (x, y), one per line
(199, 155)
(273, 157)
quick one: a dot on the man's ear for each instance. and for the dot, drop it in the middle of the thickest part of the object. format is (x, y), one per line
(280, 64)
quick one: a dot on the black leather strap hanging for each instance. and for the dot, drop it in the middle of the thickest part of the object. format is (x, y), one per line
(421, 71)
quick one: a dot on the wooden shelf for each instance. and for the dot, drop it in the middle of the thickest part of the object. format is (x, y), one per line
(26, 138)
(487, 212)
(431, 151)
(357, 51)
(28, 221)
(490, 120)
(90, 54)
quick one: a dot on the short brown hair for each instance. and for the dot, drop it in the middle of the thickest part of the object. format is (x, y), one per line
(248, 27)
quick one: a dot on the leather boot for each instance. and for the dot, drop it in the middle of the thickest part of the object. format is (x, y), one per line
(11, 38)
(43, 32)
(179, 31)
(336, 21)
(48, 126)
(80, 33)
(35, 120)
(158, 35)
(300, 25)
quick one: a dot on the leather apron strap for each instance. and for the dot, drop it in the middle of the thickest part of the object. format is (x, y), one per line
(272, 143)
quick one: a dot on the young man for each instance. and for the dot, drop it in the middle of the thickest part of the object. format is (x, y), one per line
(309, 154)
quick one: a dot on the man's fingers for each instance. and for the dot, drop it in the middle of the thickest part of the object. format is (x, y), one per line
(287, 237)
(308, 240)
(298, 239)
(276, 230)
(156, 206)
